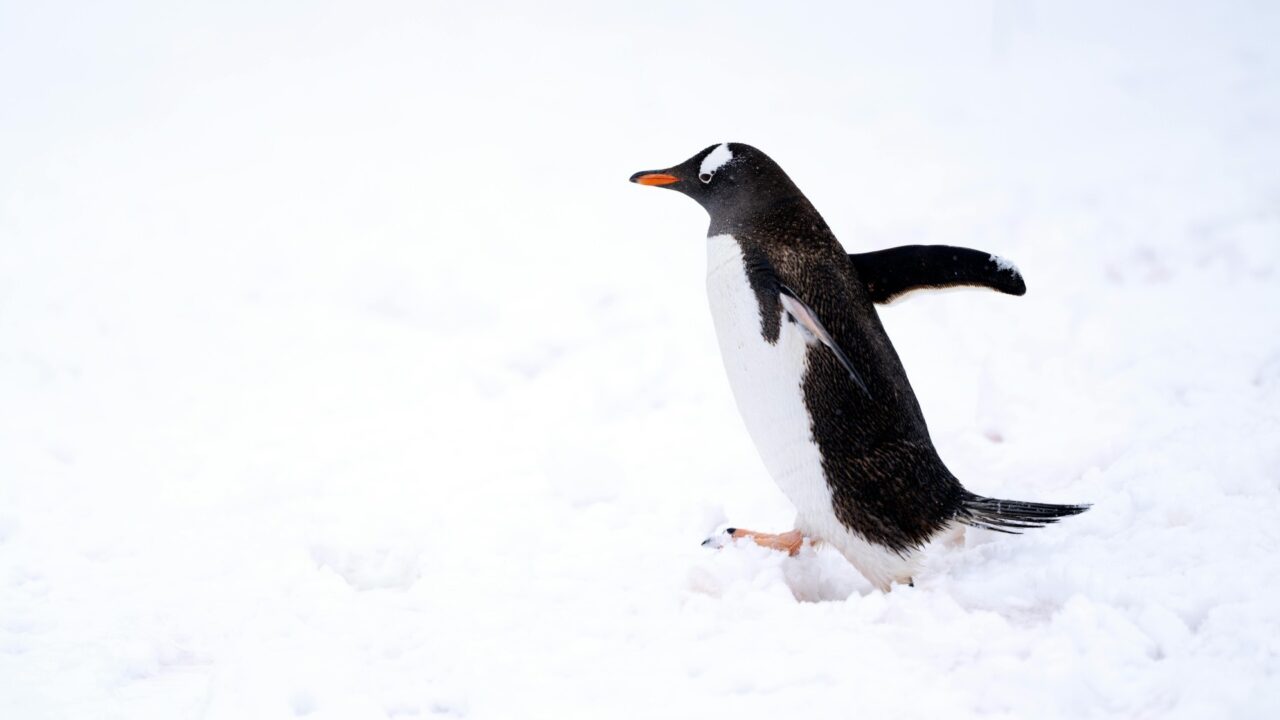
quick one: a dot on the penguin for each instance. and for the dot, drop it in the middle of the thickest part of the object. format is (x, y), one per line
(819, 385)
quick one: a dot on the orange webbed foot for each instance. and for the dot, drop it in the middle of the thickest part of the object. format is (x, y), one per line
(789, 542)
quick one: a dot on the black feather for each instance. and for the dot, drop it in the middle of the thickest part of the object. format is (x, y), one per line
(1011, 516)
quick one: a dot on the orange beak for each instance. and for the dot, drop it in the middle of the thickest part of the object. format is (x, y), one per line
(653, 178)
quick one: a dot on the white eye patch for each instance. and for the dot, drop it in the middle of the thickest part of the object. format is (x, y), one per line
(714, 161)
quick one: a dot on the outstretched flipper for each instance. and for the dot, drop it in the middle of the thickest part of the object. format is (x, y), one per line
(891, 273)
(808, 320)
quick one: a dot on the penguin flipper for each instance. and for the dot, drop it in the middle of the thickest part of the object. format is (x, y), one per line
(891, 273)
(808, 319)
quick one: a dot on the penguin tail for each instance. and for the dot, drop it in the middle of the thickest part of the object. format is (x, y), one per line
(1011, 516)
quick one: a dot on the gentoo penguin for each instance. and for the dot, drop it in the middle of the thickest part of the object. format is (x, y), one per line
(819, 385)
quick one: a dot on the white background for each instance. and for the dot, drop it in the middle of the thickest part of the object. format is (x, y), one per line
(343, 374)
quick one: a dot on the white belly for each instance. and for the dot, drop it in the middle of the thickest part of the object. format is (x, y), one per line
(766, 380)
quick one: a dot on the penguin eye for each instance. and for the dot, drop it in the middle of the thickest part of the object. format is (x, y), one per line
(705, 177)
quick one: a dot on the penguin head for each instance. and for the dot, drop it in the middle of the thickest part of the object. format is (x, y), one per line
(728, 180)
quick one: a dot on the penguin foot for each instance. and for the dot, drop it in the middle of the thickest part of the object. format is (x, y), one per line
(788, 542)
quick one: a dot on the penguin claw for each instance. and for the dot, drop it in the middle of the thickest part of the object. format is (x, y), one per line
(720, 539)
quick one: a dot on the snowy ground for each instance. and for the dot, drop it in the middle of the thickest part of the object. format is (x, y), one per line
(343, 374)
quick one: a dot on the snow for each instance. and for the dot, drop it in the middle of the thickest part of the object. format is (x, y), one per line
(715, 159)
(343, 373)
(1003, 263)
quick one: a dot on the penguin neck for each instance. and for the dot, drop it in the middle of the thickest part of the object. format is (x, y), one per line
(793, 212)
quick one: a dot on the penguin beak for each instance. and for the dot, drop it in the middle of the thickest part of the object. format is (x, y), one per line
(649, 177)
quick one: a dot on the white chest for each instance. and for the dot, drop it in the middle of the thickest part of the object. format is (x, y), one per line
(766, 380)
